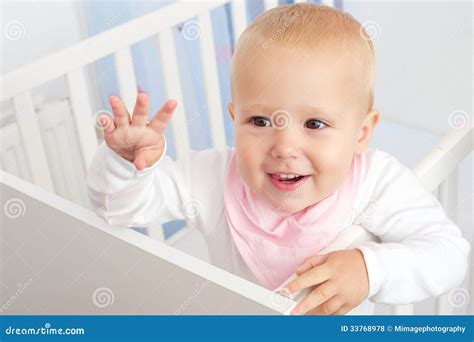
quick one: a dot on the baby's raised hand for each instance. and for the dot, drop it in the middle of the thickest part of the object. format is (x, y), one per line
(341, 279)
(132, 137)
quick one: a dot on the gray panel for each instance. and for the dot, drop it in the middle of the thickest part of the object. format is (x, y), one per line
(52, 263)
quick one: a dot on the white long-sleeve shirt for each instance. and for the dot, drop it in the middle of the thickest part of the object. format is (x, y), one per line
(422, 253)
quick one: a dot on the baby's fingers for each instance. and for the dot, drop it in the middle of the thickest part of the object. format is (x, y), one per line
(140, 112)
(311, 262)
(163, 116)
(121, 116)
(318, 296)
(312, 277)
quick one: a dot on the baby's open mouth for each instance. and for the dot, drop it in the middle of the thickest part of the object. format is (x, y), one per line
(287, 178)
(287, 181)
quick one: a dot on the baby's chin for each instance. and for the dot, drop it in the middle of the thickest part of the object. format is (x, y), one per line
(284, 207)
(286, 202)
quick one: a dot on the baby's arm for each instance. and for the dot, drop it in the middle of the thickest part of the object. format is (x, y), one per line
(422, 253)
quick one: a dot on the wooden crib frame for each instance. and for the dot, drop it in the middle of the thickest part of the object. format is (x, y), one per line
(438, 170)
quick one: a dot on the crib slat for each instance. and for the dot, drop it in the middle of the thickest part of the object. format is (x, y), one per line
(407, 309)
(31, 139)
(270, 4)
(82, 115)
(239, 18)
(127, 82)
(448, 195)
(211, 82)
(167, 51)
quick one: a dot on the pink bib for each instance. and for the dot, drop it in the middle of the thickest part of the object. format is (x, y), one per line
(273, 243)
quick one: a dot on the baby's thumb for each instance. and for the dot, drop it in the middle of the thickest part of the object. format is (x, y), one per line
(140, 161)
(146, 158)
(310, 263)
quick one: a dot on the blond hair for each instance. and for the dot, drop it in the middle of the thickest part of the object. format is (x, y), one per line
(307, 25)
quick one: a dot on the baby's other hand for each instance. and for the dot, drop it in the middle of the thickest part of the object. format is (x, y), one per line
(132, 137)
(341, 279)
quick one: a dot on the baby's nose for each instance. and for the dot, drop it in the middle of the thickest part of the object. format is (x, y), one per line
(286, 147)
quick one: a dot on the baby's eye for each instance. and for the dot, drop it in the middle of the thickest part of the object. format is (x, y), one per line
(314, 124)
(260, 121)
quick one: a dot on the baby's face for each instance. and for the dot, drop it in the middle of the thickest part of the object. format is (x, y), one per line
(298, 123)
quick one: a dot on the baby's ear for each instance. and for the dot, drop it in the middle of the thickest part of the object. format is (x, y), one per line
(230, 108)
(365, 132)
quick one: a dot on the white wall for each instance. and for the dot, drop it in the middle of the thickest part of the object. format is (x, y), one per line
(34, 29)
(423, 59)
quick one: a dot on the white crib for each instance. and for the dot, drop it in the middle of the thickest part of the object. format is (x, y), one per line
(34, 134)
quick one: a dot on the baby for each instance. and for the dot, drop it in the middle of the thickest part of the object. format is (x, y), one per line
(302, 83)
